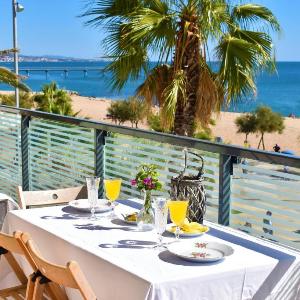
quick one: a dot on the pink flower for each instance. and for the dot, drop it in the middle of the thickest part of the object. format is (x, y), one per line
(147, 181)
(133, 182)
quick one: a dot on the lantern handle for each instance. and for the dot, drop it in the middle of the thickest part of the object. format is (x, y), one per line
(200, 173)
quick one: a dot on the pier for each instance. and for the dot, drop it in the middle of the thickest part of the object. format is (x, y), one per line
(64, 71)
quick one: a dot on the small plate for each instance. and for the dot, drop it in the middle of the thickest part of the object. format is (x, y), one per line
(171, 230)
(201, 251)
(83, 205)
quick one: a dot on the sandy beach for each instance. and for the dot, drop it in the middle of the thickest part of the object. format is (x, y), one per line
(96, 109)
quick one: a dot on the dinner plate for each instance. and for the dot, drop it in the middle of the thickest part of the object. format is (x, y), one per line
(171, 230)
(200, 251)
(84, 206)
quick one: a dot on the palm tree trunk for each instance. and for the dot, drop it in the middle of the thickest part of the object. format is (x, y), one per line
(187, 58)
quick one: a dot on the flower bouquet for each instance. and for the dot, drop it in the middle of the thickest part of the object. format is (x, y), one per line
(146, 181)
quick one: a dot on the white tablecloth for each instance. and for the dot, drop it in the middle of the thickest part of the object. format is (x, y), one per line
(120, 263)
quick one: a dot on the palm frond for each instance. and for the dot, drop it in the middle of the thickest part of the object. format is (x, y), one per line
(263, 43)
(175, 90)
(213, 14)
(153, 27)
(247, 14)
(10, 78)
(154, 85)
(210, 94)
(107, 12)
(238, 64)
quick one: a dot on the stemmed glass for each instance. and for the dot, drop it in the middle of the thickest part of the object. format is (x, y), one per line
(178, 209)
(112, 191)
(92, 189)
(160, 218)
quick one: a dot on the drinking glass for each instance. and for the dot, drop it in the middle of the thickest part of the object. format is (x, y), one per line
(112, 190)
(178, 209)
(160, 217)
(92, 189)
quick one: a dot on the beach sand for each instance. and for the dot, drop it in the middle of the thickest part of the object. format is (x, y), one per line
(96, 109)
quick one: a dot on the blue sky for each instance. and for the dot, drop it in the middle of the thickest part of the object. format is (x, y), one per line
(52, 27)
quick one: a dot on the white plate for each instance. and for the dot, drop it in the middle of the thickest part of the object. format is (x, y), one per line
(200, 251)
(185, 234)
(83, 205)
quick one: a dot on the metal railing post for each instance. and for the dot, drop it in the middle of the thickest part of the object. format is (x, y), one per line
(25, 120)
(99, 157)
(225, 172)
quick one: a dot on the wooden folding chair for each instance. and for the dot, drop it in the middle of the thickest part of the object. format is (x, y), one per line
(9, 245)
(69, 276)
(50, 197)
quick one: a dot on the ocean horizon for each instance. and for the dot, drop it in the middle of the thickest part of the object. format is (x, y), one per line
(280, 90)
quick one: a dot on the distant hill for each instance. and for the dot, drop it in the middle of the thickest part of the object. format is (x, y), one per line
(44, 58)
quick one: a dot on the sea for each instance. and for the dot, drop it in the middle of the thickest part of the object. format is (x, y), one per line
(279, 90)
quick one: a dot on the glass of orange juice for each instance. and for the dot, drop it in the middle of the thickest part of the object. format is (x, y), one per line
(112, 190)
(178, 209)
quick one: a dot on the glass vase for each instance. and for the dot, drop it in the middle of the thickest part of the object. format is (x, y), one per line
(145, 217)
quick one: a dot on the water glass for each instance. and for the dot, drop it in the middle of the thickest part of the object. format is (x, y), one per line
(92, 189)
(160, 217)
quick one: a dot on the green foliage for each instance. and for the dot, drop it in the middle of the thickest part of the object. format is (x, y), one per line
(147, 178)
(268, 121)
(204, 134)
(54, 100)
(137, 110)
(154, 121)
(133, 110)
(246, 124)
(262, 120)
(26, 100)
(119, 111)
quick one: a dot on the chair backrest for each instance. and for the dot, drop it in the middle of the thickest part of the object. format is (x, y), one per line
(50, 197)
(69, 276)
(9, 245)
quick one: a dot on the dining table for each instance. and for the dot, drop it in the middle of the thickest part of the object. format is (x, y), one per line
(122, 262)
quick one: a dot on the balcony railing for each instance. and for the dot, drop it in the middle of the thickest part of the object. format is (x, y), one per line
(251, 190)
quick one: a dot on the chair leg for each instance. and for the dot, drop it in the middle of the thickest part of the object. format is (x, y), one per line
(38, 290)
(56, 292)
(30, 288)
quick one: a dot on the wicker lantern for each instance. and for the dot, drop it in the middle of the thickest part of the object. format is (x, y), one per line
(192, 188)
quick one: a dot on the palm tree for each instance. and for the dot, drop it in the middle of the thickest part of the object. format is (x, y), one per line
(178, 32)
(54, 100)
(10, 78)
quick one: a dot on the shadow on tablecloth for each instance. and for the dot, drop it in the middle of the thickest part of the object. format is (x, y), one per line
(70, 213)
(130, 244)
(93, 227)
(168, 257)
(285, 261)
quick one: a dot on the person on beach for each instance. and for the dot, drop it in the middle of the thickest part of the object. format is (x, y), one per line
(276, 148)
